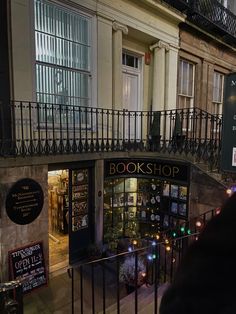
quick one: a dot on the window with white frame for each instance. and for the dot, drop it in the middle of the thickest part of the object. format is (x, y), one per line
(217, 97)
(185, 84)
(63, 55)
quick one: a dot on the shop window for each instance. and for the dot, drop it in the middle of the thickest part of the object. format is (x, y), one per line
(135, 207)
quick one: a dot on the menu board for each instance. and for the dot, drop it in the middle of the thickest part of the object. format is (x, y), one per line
(79, 199)
(27, 265)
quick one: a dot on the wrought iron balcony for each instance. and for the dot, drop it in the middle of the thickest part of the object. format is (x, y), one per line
(210, 15)
(50, 129)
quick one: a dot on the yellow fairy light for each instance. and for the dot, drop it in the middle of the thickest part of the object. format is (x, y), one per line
(168, 248)
(166, 241)
(157, 236)
(135, 242)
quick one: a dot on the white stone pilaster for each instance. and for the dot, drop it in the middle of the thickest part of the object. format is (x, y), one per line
(99, 188)
(171, 78)
(158, 95)
(104, 66)
(117, 82)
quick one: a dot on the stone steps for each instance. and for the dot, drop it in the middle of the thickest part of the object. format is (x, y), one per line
(145, 301)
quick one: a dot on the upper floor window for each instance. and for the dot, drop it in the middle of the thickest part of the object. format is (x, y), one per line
(185, 84)
(217, 97)
(130, 60)
(63, 55)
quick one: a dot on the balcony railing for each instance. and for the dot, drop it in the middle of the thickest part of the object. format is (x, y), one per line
(49, 129)
(210, 15)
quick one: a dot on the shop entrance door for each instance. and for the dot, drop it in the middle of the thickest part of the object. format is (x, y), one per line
(132, 90)
(81, 213)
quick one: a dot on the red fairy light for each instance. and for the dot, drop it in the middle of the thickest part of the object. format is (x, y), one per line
(218, 210)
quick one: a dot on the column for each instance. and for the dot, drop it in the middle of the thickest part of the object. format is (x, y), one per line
(99, 181)
(158, 89)
(104, 66)
(117, 82)
(171, 78)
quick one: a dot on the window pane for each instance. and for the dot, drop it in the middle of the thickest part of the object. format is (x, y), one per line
(186, 78)
(218, 80)
(63, 55)
(130, 60)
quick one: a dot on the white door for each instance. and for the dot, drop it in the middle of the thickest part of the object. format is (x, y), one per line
(131, 99)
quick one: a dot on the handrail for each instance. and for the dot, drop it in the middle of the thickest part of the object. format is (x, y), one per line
(145, 269)
(6, 286)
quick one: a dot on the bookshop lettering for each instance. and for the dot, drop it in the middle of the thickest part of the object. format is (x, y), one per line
(143, 196)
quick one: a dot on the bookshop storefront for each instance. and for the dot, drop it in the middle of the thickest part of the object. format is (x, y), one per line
(144, 196)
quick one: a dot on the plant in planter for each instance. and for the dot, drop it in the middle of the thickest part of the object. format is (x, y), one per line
(178, 137)
(155, 131)
(111, 240)
(94, 251)
(127, 274)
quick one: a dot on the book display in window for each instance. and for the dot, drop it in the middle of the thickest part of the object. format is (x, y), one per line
(146, 203)
(182, 209)
(174, 191)
(183, 192)
(166, 189)
(174, 208)
(79, 199)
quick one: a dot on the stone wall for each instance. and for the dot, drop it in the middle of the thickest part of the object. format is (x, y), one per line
(205, 192)
(12, 235)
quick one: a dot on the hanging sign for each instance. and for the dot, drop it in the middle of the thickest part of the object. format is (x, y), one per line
(27, 265)
(228, 155)
(24, 201)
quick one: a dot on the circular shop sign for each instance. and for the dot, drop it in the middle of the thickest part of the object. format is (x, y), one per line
(24, 201)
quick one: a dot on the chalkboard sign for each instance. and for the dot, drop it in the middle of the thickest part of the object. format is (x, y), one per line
(27, 265)
(24, 201)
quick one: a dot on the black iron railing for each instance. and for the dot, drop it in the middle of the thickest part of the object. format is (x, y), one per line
(210, 15)
(11, 297)
(193, 225)
(50, 129)
(131, 281)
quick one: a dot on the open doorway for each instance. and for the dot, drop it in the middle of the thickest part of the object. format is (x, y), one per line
(58, 210)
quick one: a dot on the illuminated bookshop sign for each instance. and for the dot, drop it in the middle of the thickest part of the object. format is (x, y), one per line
(228, 156)
(146, 167)
(24, 201)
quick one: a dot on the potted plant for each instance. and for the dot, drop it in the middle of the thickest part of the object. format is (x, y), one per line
(127, 274)
(155, 131)
(178, 137)
(94, 251)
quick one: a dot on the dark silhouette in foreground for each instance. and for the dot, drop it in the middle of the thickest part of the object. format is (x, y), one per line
(205, 282)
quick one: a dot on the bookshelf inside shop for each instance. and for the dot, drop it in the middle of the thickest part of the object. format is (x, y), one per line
(141, 207)
(58, 203)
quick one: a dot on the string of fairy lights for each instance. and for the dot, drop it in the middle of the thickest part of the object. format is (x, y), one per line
(169, 238)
